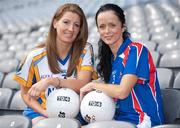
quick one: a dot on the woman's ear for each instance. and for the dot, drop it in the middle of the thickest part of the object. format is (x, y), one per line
(55, 24)
(123, 28)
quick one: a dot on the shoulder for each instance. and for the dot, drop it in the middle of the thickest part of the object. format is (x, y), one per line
(138, 46)
(36, 52)
(88, 46)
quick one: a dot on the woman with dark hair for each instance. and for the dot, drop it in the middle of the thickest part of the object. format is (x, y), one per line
(65, 59)
(128, 71)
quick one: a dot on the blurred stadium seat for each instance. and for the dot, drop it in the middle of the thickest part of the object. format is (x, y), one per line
(171, 102)
(1, 78)
(17, 102)
(156, 24)
(150, 45)
(165, 35)
(171, 60)
(57, 123)
(168, 45)
(8, 65)
(177, 82)
(167, 126)
(165, 77)
(15, 121)
(156, 57)
(6, 55)
(5, 97)
(9, 82)
(8, 111)
(110, 124)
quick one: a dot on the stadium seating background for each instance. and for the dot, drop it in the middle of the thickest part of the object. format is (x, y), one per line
(24, 24)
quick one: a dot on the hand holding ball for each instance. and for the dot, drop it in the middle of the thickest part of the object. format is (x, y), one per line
(63, 103)
(97, 106)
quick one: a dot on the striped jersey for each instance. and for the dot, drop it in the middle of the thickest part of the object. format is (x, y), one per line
(144, 103)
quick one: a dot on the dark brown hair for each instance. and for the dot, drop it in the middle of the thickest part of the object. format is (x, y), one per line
(104, 54)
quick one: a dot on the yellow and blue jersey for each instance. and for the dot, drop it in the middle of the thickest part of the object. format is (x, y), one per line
(36, 68)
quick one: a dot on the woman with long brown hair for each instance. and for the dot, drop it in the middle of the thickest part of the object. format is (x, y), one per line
(65, 59)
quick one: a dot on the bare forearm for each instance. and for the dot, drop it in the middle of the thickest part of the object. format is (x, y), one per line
(74, 84)
(120, 91)
(111, 90)
(34, 104)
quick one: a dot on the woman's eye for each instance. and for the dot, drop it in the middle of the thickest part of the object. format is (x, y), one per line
(77, 25)
(65, 22)
(112, 25)
(101, 26)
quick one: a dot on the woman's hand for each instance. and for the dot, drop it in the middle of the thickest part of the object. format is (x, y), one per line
(44, 112)
(87, 88)
(38, 87)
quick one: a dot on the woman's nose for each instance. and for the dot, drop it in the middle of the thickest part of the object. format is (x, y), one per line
(71, 27)
(107, 29)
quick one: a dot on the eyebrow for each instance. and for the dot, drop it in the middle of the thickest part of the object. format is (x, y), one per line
(70, 20)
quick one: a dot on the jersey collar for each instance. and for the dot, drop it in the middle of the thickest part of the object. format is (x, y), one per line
(123, 46)
(63, 61)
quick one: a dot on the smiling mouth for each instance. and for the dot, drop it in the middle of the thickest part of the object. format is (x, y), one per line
(108, 37)
(69, 34)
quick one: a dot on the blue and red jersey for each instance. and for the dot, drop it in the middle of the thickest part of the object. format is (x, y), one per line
(144, 103)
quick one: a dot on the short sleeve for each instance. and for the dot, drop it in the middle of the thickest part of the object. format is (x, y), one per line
(87, 58)
(25, 74)
(137, 62)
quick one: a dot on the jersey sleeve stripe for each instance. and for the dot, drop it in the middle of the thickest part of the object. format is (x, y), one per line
(30, 76)
(88, 68)
(152, 75)
(37, 73)
(20, 80)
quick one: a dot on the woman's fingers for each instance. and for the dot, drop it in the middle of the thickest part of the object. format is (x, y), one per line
(34, 92)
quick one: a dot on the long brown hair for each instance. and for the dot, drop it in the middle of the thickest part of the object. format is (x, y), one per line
(78, 44)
